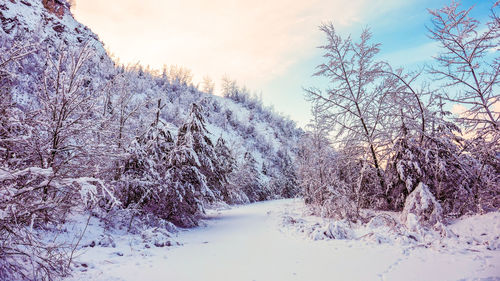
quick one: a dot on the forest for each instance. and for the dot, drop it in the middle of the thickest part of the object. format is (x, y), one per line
(81, 134)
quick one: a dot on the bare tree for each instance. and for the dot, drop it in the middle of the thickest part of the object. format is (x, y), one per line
(412, 115)
(335, 184)
(178, 75)
(313, 157)
(469, 65)
(65, 102)
(32, 195)
(208, 85)
(124, 103)
(355, 103)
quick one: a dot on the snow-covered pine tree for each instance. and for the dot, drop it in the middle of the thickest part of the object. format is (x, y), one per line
(194, 173)
(227, 163)
(248, 179)
(453, 177)
(142, 182)
(186, 187)
(194, 135)
(286, 182)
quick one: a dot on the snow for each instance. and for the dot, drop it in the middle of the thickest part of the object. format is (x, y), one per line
(261, 241)
(421, 209)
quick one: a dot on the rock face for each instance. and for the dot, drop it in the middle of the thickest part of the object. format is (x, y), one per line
(421, 209)
(55, 6)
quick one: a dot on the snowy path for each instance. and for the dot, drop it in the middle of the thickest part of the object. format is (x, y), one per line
(245, 243)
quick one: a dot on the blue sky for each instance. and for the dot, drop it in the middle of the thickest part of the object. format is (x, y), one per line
(404, 40)
(268, 46)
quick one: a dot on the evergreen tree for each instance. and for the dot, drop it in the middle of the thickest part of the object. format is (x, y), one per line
(287, 182)
(187, 187)
(194, 135)
(194, 173)
(227, 163)
(248, 179)
(142, 181)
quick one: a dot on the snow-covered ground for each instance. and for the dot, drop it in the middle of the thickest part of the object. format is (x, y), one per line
(263, 242)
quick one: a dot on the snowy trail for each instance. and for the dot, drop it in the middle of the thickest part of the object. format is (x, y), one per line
(245, 243)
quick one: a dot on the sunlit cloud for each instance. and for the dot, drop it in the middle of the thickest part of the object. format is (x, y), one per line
(458, 110)
(251, 41)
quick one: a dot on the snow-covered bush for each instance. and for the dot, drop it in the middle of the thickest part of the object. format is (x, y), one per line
(421, 209)
(334, 230)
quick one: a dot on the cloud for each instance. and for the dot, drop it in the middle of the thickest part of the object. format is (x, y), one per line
(250, 40)
(458, 110)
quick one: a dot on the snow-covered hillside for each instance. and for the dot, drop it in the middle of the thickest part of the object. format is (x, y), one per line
(49, 26)
(134, 148)
(49, 20)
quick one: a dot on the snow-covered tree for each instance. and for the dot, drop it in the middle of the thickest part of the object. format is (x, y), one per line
(469, 67)
(142, 182)
(247, 178)
(208, 85)
(334, 184)
(286, 182)
(460, 182)
(227, 164)
(355, 104)
(187, 185)
(194, 135)
(62, 116)
(34, 194)
(459, 171)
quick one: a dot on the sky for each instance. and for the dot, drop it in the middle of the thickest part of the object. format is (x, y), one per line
(269, 46)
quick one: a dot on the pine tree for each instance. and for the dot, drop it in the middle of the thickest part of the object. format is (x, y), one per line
(194, 135)
(287, 180)
(248, 179)
(227, 163)
(187, 187)
(142, 181)
(194, 173)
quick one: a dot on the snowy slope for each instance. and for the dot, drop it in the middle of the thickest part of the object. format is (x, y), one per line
(263, 134)
(46, 26)
(250, 243)
(30, 18)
